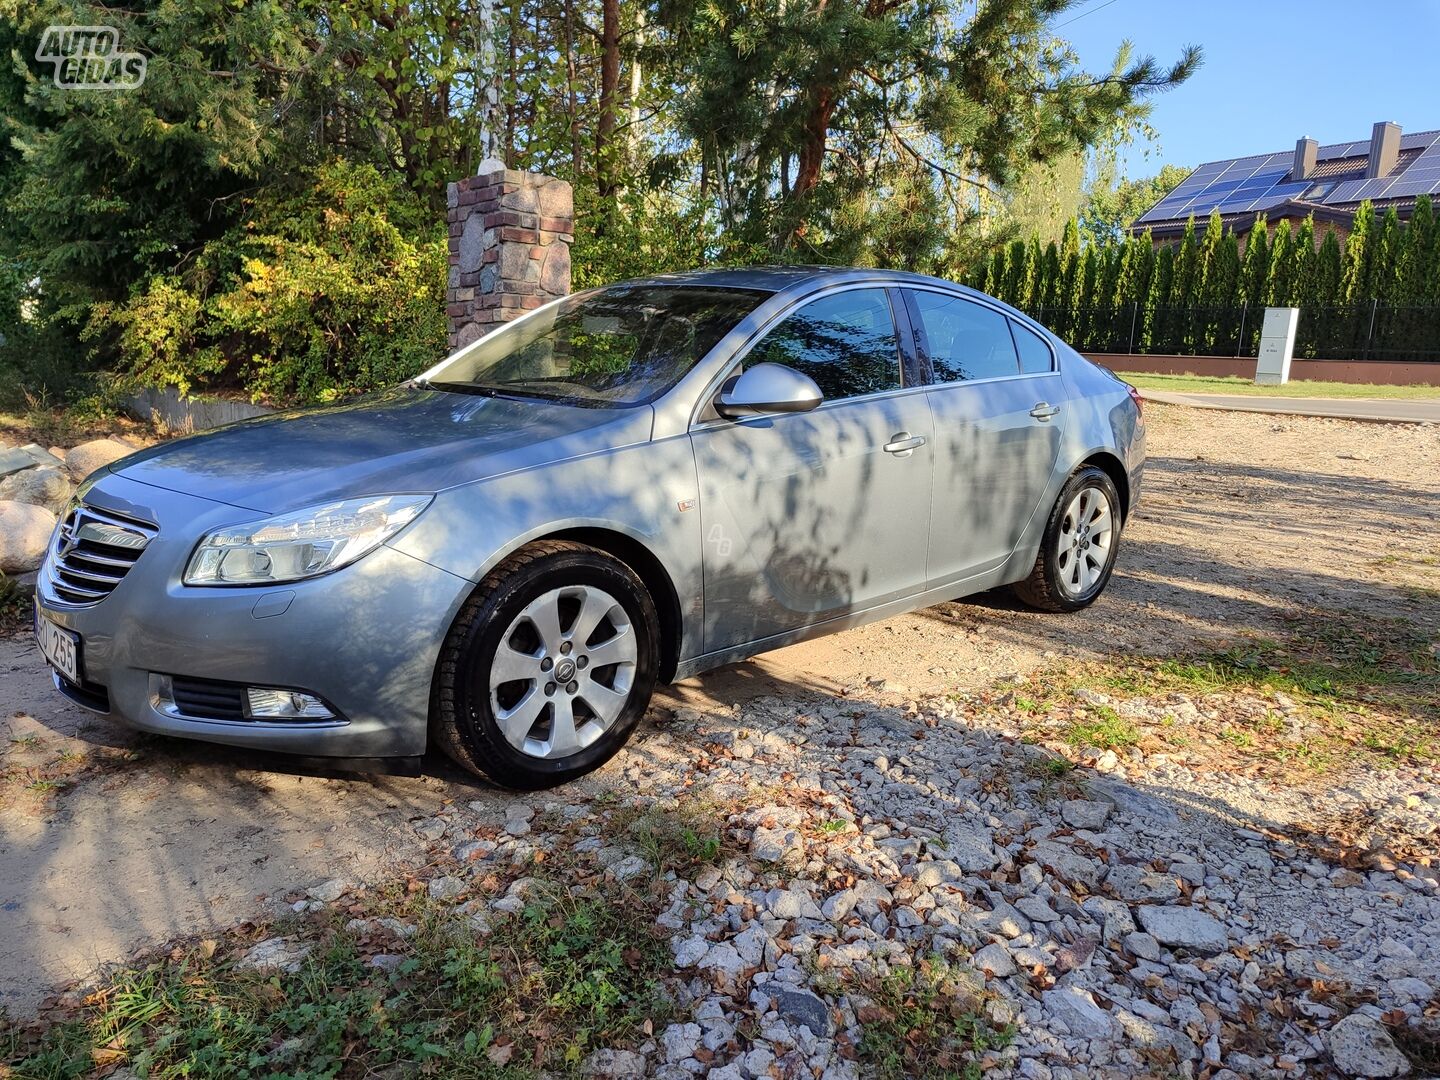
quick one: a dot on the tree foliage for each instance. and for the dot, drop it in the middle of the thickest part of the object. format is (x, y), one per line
(185, 228)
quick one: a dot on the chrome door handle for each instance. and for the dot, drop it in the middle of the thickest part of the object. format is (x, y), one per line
(902, 443)
(1043, 410)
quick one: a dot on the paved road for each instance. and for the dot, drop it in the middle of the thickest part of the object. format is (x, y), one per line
(1400, 412)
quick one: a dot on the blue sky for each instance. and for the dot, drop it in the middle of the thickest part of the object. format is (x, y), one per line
(1274, 70)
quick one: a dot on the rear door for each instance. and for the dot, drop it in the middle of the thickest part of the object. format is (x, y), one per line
(997, 428)
(810, 516)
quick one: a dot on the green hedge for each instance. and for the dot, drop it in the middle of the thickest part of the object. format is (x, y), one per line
(1377, 293)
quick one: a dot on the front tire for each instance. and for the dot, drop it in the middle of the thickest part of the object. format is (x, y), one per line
(1078, 548)
(548, 668)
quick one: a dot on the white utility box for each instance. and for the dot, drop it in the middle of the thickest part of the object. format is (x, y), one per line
(1277, 345)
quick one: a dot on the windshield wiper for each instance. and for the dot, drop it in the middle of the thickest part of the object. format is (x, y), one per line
(480, 390)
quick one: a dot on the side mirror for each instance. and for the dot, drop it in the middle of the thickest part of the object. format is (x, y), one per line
(768, 388)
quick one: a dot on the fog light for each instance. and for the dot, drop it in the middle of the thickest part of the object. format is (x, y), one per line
(262, 703)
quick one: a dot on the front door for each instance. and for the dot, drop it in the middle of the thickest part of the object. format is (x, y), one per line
(810, 516)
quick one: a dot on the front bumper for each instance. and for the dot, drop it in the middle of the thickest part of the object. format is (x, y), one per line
(365, 638)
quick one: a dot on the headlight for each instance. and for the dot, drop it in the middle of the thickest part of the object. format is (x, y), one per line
(302, 544)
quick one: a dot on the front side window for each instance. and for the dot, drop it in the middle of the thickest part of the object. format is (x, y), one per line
(845, 342)
(964, 341)
(624, 345)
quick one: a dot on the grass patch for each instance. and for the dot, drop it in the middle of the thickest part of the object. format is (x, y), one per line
(926, 1023)
(1354, 685)
(1105, 729)
(573, 971)
(1219, 384)
(682, 837)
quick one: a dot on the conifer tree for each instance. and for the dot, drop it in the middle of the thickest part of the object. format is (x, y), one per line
(995, 283)
(1281, 268)
(1049, 282)
(1016, 287)
(1427, 263)
(1354, 276)
(1159, 324)
(1410, 285)
(1089, 282)
(1302, 272)
(1382, 262)
(1329, 274)
(1255, 267)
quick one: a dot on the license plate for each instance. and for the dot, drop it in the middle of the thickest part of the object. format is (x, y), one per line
(61, 647)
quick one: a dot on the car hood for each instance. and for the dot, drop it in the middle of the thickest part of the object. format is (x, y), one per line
(408, 439)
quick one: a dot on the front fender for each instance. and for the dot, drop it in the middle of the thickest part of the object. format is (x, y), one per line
(647, 493)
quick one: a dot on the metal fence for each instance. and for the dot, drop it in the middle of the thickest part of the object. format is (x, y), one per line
(1368, 331)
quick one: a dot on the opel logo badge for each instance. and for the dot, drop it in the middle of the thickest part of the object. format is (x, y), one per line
(68, 538)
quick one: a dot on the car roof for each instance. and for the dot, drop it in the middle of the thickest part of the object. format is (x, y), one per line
(782, 278)
(796, 281)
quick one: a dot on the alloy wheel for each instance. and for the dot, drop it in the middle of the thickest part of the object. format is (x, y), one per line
(1083, 546)
(562, 673)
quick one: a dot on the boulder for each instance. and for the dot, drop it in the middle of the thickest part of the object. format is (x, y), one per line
(24, 532)
(1077, 1010)
(1184, 928)
(17, 459)
(84, 459)
(805, 1009)
(1360, 1046)
(47, 486)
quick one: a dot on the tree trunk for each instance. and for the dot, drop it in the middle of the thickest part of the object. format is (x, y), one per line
(572, 104)
(605, 164)
(810, 158)
(812, 149)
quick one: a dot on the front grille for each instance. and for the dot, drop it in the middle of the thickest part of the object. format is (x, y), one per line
(207, 700)
(92, 552)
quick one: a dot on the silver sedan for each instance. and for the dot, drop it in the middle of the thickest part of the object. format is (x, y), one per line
(633, 484)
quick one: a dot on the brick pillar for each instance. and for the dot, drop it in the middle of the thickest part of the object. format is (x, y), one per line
(510, 236)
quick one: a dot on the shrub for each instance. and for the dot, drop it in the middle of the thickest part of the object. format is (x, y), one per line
(335, 289)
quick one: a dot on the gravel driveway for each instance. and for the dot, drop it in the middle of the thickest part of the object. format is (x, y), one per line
(1142, 880)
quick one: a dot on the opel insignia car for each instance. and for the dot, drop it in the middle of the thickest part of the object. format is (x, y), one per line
(629, 485)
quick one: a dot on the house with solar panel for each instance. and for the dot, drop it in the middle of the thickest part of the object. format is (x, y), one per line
(1326, 182)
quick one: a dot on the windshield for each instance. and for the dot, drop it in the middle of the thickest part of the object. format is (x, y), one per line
(624, 345)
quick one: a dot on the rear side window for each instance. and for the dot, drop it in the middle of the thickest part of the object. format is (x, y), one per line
(1035, 355)
(845, 342)
(963, 341)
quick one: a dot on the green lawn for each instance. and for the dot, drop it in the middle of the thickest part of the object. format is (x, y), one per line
(1215, 384)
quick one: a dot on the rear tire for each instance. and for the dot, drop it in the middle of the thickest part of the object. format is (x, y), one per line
(548, 668)
(1078, 548)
